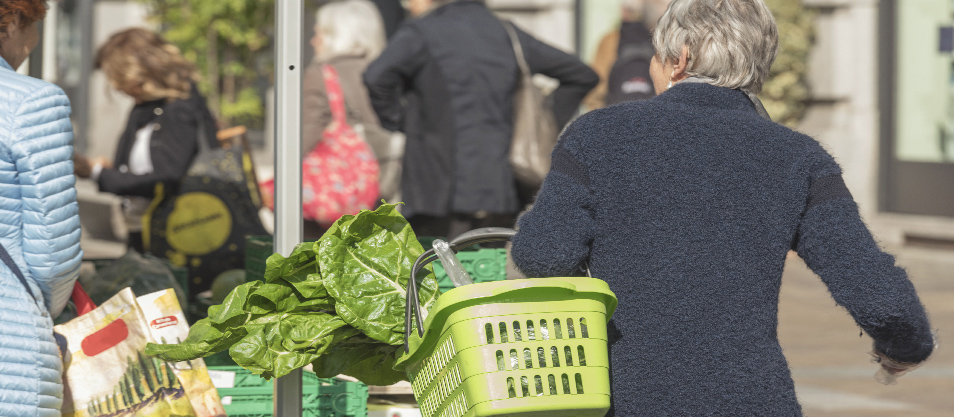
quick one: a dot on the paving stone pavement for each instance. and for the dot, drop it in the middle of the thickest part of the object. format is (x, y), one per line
(830, 363)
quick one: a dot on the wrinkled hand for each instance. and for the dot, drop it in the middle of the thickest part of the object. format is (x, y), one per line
(890, 370)
(82, 167)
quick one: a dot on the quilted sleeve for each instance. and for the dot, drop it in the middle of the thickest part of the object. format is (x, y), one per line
(42, 148)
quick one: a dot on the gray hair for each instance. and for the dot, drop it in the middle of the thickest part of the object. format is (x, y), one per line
(351, 27)
(732, 43)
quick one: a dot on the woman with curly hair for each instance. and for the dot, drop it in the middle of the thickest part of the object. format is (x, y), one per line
(161, 135)
(39, 220)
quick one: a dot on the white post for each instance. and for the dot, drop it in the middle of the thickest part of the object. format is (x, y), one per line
(288, 226)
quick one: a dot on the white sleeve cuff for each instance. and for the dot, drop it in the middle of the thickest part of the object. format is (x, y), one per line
(97, 169)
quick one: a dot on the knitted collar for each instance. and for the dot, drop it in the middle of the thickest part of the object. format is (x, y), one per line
(708, 95)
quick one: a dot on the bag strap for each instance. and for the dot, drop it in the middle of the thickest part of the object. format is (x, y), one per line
(335, 94)
(81, 300)
(8, 260)
(517, 49)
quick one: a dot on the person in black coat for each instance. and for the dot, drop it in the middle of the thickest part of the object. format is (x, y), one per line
(392, 13)
(687, 204)
(456, 68)
(162, 131)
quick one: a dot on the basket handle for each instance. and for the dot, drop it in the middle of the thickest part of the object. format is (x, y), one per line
(473, 237)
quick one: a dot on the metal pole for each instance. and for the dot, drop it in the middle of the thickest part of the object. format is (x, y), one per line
(288, 226)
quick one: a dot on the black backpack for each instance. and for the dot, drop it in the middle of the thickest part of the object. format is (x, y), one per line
(629, 78)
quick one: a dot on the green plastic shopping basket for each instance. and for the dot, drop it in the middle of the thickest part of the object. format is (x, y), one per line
(529, 347)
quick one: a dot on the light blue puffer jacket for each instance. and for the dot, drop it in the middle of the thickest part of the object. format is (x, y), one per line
(40, 228)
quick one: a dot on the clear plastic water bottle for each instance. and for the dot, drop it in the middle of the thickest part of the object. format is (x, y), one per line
(452, 266)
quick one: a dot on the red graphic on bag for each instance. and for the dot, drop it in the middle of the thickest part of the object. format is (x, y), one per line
(164, 322)
(105, 338)
(340, 175)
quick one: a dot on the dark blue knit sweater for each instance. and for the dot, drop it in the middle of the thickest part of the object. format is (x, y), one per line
(686, 205)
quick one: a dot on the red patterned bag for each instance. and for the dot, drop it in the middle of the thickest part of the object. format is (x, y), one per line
(340, 175)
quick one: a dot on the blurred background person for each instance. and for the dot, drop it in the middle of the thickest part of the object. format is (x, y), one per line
(348, 35)
(688, 204)
(392, 13)
(455, 66)
(162, 131)
(39, 227)
(623, 55)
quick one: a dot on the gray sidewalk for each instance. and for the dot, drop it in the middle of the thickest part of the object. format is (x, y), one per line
(829, 360)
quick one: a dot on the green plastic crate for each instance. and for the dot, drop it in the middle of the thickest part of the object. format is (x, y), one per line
(483, 265)
(252, 396)
(257, 250)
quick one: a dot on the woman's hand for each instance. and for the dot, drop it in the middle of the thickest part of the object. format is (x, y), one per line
(82, 166)
(103, 161)
(891, 369)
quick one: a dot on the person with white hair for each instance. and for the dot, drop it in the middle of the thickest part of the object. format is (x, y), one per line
(688, 204)
(348, 35)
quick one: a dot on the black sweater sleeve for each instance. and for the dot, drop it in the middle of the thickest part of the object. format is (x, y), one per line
(576, 78)
(173, 145)
(387, 76)
(835, 243)
(554, 237)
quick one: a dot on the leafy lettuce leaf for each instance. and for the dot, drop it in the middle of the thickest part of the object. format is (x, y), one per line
(337, 304)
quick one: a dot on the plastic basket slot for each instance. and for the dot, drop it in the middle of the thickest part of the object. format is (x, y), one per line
(544, 331)
(444, 387)
(489, 330)
(456, 407)
(538, 385)
(555, 354)
(503, 332)
(527, 358)
(569, 355)
(432, 366)
(581, 355)
(552, 382)
(516, 331)
(558, 331)
(584, 332)
(514, 360)
(531, 335)
(570, 331)
(524, 386)
(542, 357)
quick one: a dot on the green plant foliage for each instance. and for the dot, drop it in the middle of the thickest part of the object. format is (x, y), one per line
(229, 42)
(786, 91)
(337, 303)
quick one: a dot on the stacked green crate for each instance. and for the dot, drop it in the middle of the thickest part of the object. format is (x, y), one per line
(257, 250)
(483, 265)
(251, 395)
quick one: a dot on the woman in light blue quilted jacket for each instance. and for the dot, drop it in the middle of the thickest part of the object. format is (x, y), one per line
(39, 222)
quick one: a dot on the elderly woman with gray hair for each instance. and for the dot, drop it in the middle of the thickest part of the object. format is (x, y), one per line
(687, 204)
(348, 35)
